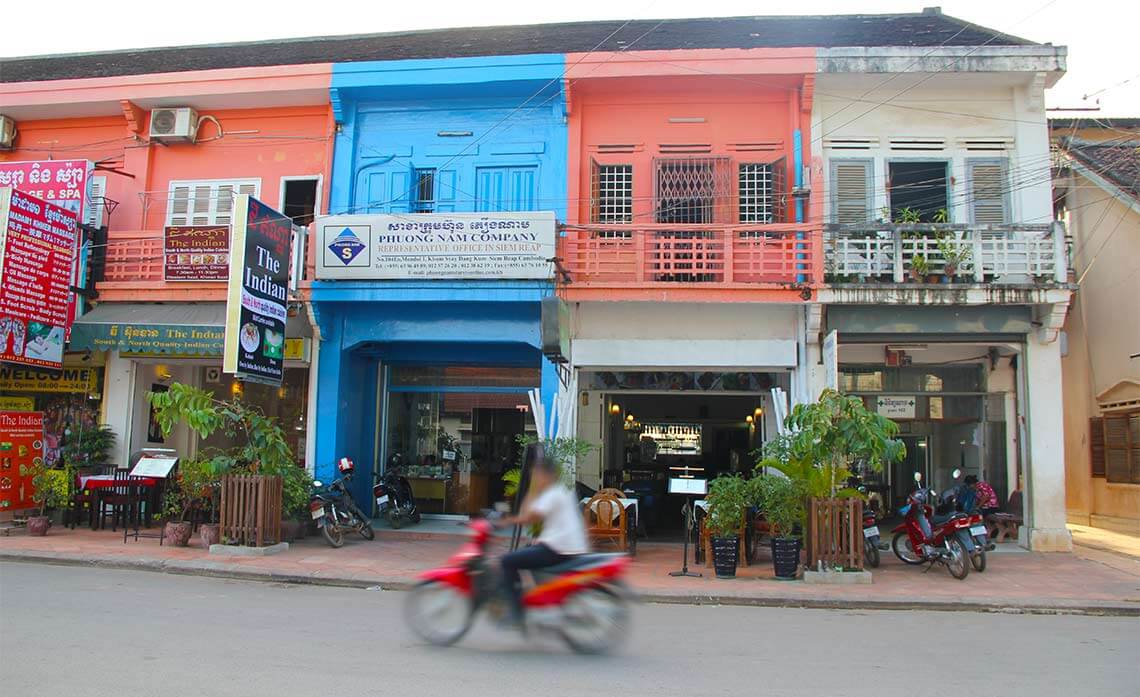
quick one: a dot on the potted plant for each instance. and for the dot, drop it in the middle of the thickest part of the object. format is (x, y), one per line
(919, 268)
(87, 447)
(729, 497)
(177, 527)
(782, 501)
(46, 494)
(954, 254)
(564, 451)
(296, 491)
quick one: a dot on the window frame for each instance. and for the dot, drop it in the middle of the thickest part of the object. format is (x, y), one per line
(868, 163)
(596, 199)
(1006, 199)
(215, 184)
(948, 163)
(777, 194)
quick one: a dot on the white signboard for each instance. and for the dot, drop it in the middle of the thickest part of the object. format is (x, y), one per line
(831, 360)
(896, 407)
(436, 246)
(684, 485)
(154, 466)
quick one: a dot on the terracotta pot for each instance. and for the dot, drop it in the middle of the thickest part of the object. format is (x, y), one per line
(38, 525)
(289, 530)
(302, 529)
(177, 533)
(210, 534)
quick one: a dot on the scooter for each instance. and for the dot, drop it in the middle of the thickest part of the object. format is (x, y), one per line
(917, 542)
(960, 499)
(870, 539)
(583, 600)
(335, 511)
(394, 498)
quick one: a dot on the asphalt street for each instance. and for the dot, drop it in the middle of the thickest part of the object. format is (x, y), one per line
(88, 631)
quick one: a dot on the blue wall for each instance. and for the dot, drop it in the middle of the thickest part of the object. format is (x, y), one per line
(390, 115)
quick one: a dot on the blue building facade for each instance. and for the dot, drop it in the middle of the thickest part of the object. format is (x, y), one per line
(433, 374)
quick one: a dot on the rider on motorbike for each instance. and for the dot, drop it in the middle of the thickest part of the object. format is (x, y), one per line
(563, 533)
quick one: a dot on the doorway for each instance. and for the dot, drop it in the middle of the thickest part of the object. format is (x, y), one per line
(917, 460)
(919, 190)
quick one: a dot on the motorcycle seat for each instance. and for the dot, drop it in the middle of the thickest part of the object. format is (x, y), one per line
(940, 519)
(578, 562)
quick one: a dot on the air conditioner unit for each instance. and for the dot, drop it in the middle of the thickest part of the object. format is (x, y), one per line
(173, 124)
(7, 133)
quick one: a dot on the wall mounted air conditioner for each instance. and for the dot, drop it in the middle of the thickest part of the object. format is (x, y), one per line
(173, 124)
(7, 133)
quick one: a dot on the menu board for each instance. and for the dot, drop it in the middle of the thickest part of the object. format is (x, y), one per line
(37, 246)
(154, 466)
(21, 449)
(197, 253)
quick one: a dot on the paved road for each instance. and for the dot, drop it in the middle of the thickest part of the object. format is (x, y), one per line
(69, 630)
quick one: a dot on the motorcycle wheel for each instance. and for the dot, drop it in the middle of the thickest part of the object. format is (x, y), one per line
(366, 531)
(595, 620)
(871, 554)
(956, 564)
(332, 532)
(978, 559)
(904, 550)
(395, 520)
(438, 613)
(416, 517)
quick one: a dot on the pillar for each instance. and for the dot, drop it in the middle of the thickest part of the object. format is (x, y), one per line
(118, 404)
(1044, 529)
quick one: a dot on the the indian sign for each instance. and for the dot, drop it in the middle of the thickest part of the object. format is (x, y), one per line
(168, 339)
(428, 246)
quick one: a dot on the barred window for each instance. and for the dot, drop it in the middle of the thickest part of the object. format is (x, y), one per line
(612, 189)
(423, 198)
(761, 190)
(693, 190)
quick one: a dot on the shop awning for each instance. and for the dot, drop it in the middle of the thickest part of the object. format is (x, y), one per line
(193, 329)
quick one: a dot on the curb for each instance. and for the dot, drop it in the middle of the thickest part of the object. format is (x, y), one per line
(220, 570)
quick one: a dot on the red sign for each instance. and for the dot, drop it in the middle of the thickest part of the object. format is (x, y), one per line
(197, 253)
(37, 247)
(21, 449)
(62, 182)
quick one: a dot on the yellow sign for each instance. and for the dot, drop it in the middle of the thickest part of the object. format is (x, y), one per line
(43, 380)
(17, 404)
(296, 349)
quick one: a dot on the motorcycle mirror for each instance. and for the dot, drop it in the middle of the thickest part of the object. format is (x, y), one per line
(918, 476)
(317, 483)
(957, 473)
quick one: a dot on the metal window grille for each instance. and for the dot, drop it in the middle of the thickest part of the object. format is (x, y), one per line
(423, 200)
(613, 194)
(761, 191)
(694, 190)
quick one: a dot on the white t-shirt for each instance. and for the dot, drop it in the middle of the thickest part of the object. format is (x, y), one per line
(563, 529)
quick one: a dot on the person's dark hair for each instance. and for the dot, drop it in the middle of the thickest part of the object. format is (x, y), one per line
(971, 479)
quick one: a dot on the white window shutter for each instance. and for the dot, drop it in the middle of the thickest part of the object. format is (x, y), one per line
(851, 186)
(988, 201)
(179, 206)
(93, 214)
(206, 202)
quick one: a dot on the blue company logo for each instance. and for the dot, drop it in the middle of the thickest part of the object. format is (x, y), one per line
(347, 246)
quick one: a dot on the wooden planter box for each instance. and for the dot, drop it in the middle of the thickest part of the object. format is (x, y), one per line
(835, 533)
(251, 509)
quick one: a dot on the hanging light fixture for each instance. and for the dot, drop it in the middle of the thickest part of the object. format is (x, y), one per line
(748, 419)
(615, 409)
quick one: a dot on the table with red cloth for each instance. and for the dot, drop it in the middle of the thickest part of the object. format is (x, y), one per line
(96, 483)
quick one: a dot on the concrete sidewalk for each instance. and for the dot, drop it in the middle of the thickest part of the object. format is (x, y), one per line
(1015, 580)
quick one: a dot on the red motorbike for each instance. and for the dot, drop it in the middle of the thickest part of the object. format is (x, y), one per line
(583, 600)
(948, 541)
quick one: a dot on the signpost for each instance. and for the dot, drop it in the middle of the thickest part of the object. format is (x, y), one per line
(256, 303)
(37, 249)
(425, 246)
(197, 253)
(896, 407)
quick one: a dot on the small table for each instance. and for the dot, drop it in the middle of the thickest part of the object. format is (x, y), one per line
(96, 483)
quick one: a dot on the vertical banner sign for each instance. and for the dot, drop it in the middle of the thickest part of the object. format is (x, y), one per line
(256, 302)
(37, 247)
(831, 360)
(21, 449)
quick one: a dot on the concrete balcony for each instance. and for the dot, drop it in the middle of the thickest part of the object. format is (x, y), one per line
(691, 263)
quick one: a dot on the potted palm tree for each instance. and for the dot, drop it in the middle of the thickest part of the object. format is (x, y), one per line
(782, 501)
(728, 499)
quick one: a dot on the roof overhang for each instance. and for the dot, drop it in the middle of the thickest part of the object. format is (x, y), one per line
(917, 60)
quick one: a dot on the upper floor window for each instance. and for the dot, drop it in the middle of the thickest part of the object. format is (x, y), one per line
(851, 191)
(611, 199)
(988, 191)
(423, 190)
(206, 201)
(919, 191)
(761, 190)
(693, 190)
(506, 188)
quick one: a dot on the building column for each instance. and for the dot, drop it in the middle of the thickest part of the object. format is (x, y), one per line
(118, 404)
(1044, 495)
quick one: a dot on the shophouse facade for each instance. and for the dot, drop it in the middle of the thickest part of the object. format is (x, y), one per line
(167, 152)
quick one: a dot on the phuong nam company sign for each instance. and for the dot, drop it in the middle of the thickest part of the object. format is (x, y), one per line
(37, 248)
(257, 299)
(436, 246)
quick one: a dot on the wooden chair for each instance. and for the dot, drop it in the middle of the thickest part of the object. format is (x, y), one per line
(1003, 525)
(606, 521)
(79, 502)
(742, 554)
(120, 501)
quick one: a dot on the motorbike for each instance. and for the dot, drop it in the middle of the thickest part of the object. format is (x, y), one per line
(335, 511)
(947, 541)
(961, 499)
(582, 600)
(394, 498)
(871, 539)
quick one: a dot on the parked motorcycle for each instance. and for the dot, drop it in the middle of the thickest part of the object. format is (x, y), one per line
(870, 539)
(582, 600)
(394, 498)
(335, 511)
(918, 541)
(961, 498)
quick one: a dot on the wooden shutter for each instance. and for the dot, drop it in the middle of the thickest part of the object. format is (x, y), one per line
(1096, 446)
(1134, 446)
(206, 202)
(988, 204)
(93, 215)
(1117, 450)
(851, 191)
(179, 208)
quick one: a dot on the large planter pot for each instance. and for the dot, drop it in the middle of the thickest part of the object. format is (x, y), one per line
(38, 525)
(724, 556)
(210, 534)
(177, 533)
(785, 556)
(290, 530)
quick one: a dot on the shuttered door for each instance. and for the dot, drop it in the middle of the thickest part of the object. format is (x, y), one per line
(851, 187)
(506, 188)
(1096, 446)
(988, 192)
(1117, 450)
(1134, 446)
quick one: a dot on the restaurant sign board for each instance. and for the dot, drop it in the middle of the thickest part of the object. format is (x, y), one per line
(78, 380)
(197, 253)
(21, 450)
(257, 299)
(436, 246)
(37, 250)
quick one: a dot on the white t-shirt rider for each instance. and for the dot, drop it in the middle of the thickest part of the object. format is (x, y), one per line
(563, 530)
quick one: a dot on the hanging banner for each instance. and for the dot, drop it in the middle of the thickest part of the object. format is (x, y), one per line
(257, 299)
(197, 253)
(37, 249)
(437, 246)
(82, 380)
(21, 449)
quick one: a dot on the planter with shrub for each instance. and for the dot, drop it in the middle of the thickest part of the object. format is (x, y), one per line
(729, 498)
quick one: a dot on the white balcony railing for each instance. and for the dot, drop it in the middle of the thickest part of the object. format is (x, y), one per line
(1001, 254)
